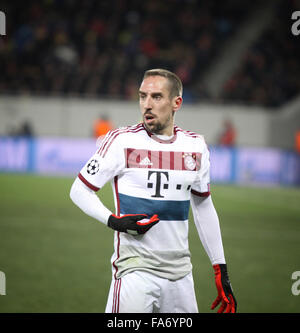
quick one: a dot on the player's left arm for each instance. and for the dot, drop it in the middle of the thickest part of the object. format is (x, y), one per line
(208, 227)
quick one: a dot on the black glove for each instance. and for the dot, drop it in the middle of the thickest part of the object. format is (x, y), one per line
(130, 223)
(225, 293)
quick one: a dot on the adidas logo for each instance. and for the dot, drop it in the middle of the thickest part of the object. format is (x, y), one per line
(145, 161)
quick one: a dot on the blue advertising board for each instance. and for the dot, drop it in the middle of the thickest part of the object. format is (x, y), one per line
(66, 156)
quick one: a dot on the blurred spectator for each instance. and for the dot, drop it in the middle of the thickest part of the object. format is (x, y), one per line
(102, 126)
(228, 135)
(26, 129)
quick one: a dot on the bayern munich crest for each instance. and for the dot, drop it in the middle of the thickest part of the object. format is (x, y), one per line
(189, 161)
(93, 167)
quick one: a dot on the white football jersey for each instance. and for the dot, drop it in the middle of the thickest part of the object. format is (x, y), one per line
(151, 176)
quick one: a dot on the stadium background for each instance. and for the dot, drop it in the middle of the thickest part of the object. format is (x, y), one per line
(65, 63)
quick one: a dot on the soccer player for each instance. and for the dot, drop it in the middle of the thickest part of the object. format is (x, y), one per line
(156, 170)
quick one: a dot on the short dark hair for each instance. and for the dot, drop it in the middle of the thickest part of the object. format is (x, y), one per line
(175, 82)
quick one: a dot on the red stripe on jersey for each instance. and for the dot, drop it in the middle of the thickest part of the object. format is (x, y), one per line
(166, 160)
(201, 194)
(88, 184)
(149, 156)
(171, 160)
(117, 134)
(188, 133)
(160, 160)
(105, 140)
(109, 135)
(107, 144)
(112, 133)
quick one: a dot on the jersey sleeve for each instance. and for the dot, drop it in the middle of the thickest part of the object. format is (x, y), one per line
(105, 164)
(201, 186)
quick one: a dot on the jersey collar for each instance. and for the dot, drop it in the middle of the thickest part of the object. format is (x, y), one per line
(159, 140)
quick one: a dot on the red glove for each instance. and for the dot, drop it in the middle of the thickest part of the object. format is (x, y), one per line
(225, 293)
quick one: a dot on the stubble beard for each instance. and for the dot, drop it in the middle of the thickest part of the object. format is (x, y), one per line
(155, 128)
(158, 127)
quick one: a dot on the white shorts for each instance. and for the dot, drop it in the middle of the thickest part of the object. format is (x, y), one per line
(143, 292)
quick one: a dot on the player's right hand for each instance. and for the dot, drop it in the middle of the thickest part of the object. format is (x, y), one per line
(131, 223)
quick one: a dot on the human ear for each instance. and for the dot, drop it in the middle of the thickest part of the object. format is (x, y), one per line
(176, 103)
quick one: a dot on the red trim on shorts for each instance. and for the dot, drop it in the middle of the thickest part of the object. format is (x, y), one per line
(117, 287)
(116, 296)
(118, 233)
(88, 184)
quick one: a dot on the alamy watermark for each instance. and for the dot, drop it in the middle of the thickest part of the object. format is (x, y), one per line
(2, 284)
(296, 284)
(295, 28)
(2, 24)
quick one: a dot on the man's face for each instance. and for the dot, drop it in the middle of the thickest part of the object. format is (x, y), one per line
(156, 106)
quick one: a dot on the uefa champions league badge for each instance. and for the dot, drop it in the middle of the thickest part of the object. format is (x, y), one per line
(189, 161)
(93, 167)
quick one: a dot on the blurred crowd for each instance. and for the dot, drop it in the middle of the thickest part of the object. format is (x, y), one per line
(101, 48)
(269, 74)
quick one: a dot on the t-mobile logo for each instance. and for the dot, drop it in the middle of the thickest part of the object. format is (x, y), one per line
(157, 176)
